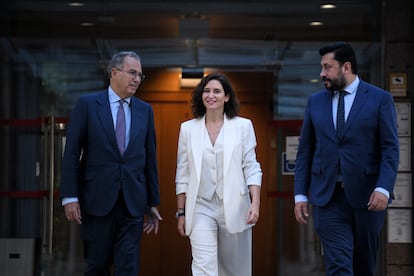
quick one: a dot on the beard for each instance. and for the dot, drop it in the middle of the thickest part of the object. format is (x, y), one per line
(336, 84)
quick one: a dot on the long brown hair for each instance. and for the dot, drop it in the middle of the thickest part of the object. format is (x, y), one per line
(231, 107)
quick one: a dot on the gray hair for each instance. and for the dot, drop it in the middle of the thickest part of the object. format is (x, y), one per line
(118, 60)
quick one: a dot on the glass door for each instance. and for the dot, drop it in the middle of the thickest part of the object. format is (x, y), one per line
(34, 234)
(62, 253)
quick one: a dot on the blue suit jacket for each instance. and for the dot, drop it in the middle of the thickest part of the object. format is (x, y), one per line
(93, 169)
(368, 152)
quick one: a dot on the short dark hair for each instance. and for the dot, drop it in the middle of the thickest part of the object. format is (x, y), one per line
(343, 52)
(231, 107)
(117, 60)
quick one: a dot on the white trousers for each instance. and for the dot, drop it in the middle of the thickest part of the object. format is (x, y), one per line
(216, 252)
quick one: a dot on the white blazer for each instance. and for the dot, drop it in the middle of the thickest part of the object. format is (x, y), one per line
(240, 168)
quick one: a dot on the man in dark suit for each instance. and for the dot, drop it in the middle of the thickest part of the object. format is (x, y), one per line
(347, 168)
(109, 171)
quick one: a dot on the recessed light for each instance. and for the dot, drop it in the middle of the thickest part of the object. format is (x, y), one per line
(327, 6)
(76, 4)
(315, 23)
(87, 24)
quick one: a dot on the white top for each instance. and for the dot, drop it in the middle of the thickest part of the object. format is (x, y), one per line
(211, 178)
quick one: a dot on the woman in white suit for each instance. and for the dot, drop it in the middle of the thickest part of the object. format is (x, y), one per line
(218, 181)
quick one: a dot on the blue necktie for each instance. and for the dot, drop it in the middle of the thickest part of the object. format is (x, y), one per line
(120, 127)
(340, 118)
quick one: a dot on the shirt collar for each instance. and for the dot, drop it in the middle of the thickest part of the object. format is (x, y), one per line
(113, 97)
(352, 87)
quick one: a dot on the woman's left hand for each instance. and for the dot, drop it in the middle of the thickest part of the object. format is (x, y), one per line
(253, 214)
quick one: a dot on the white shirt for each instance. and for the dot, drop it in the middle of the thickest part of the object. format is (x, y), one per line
(114, 103)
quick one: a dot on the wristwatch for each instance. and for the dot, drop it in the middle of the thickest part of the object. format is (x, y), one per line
(179, 214)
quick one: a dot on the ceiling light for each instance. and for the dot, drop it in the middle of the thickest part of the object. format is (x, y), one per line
(315, 23)
(327, 6)
(76, 4)
(87, 24)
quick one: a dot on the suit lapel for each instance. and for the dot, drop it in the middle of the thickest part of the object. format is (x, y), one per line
(359, 101)
(197, 140)
(198, 137)
(137, 116)
(327, 109)
(229, 133)
(105, 117)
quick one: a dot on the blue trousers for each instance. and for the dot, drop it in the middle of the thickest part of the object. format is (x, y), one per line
(349, 236)
(112, 239)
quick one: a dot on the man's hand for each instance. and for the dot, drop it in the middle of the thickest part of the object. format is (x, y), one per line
(73, 212)
(377, 201)
(153, 221)
(301, 212)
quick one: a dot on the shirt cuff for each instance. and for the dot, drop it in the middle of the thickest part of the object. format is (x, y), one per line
(382, 190)
(180, 188)
(301, 198)
(67, 200)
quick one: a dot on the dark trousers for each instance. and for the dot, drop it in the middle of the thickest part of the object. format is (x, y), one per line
(350, 237)
(112, 239)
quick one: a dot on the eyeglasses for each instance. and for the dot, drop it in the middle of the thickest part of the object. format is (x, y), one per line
(133, 74)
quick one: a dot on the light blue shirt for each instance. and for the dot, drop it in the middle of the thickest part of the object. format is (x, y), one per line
(349, 98)
(348, 101)
(114, 104)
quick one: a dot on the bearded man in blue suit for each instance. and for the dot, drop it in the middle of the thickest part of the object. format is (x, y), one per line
(346, 169)
(109, 171)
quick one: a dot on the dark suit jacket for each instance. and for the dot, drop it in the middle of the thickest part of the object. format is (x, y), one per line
(368, 152)
(93, 169)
